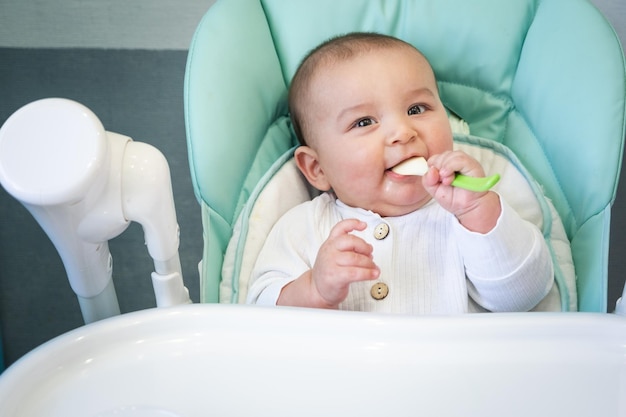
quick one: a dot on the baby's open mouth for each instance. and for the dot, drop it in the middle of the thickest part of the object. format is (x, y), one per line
(412, 166)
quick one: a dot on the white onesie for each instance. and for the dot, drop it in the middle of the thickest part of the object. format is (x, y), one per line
(428, 261)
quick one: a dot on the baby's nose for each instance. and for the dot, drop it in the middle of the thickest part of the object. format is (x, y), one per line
(402, 133)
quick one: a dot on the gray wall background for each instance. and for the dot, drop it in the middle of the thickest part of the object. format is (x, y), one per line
(125, 60)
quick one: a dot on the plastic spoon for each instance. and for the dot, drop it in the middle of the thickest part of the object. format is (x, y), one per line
(419, 166)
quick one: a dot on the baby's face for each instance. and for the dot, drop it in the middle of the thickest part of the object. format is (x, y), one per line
(367, 115)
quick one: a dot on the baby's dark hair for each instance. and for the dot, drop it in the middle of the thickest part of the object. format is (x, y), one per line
(333, 50)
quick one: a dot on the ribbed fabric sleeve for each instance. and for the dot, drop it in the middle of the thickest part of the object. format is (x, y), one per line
(510, 268)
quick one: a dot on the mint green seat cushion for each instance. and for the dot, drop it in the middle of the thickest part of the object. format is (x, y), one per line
(545, 78)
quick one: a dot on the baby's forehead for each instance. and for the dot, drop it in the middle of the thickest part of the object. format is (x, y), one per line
(329, 66)
(330, 61)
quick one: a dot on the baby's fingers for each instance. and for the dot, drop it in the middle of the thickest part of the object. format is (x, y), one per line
(353, 245)
(346, 226)
(342, 240)
(450, 162)
(355, 259)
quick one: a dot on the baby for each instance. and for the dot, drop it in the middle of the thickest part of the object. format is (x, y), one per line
(376, 240)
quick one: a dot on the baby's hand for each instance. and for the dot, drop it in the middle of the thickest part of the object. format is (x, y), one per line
(342, 259)
(477, 211)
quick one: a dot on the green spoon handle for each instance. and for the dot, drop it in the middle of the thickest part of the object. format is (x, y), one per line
(477, 184)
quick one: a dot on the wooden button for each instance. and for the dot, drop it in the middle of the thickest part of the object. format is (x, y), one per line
(381, 231)
(379, 291)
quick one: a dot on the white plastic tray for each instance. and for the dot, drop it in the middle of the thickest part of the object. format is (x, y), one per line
(220, 360)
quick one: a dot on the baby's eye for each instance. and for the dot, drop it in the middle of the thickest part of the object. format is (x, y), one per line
(417, 109)
(366, 121)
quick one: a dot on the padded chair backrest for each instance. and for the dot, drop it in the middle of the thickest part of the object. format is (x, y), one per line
(544, 77)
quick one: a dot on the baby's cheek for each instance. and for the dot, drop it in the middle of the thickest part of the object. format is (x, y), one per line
(442, 140)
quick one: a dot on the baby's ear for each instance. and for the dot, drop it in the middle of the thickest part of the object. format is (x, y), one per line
(308, 163)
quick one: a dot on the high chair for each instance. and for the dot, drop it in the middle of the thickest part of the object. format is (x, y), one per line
(543, 78)
(536, 84)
